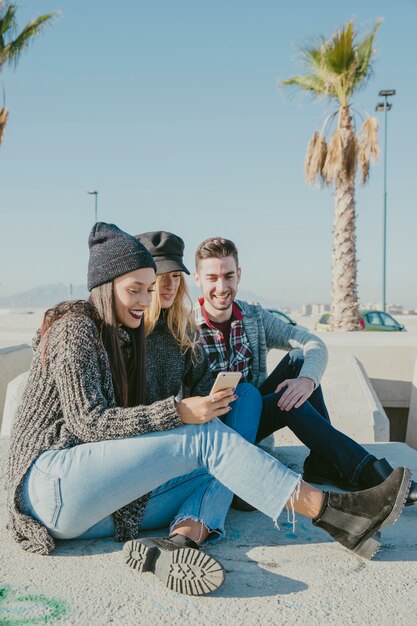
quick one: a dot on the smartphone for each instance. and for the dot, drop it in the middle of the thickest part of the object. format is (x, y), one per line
(226, 380)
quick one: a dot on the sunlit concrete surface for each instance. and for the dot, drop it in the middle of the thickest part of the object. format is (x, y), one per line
(273, 576)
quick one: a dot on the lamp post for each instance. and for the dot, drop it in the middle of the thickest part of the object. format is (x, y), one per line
(385, 106)
(94, 193)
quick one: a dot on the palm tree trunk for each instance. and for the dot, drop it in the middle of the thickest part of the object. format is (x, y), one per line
(344, 305)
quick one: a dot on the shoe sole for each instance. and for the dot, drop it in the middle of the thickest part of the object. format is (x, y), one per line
(185, 570)
(370, 544)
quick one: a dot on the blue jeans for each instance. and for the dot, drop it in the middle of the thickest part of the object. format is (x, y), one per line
(191, 472)
(333, 454)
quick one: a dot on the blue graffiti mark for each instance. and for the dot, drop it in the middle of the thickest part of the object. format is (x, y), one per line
(291, 536)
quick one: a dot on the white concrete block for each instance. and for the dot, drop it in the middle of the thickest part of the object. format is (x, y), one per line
(411, 435)
(14, 395)
(13, 361)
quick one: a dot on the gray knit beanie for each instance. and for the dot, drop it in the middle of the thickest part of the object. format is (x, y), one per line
(113, 253)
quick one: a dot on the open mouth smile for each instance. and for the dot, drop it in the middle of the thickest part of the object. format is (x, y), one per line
(137, 314)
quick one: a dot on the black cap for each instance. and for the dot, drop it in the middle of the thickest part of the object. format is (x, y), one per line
(167, 250)
(114, 253)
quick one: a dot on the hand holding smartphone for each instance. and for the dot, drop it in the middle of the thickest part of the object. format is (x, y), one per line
(226, 380)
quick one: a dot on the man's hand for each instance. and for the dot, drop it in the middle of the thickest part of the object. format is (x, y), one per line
(298, 391)
(202, 409)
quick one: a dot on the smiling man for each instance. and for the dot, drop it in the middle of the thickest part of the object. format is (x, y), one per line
(237, 335)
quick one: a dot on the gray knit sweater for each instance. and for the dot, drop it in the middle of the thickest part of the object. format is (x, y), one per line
(171, 371)
(69, 400)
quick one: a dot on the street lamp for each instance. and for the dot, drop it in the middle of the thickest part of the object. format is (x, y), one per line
(94, 193)
(385, 106)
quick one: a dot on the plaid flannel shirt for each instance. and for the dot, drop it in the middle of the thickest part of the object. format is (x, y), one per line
(239, 357)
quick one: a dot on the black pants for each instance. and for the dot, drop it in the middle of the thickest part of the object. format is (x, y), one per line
(332, 455)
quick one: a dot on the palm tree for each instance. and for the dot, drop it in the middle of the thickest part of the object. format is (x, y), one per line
(12, 44)
(336, 68)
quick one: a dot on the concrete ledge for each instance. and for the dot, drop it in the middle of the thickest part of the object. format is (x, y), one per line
(14, 394)
(411, 436)
(273, 576)
(388, 359)
(13, 361)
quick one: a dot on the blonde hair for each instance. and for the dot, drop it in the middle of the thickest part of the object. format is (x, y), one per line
(179, 316)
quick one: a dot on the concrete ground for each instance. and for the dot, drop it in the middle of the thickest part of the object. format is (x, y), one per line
(273, 577)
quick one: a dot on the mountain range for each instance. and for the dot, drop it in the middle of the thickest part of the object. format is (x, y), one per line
(44, 296)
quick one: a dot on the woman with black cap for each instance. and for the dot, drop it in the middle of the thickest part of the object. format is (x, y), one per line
(84, 446)
(195, 504)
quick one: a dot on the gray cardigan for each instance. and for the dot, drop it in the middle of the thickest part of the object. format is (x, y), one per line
(265, 331)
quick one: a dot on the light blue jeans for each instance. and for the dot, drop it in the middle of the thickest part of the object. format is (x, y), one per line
(191, 471)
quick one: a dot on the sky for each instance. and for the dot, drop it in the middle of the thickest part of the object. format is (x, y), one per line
(172, 110)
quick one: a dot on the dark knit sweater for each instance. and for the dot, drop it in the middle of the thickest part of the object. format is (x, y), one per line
(169, 372)
(69, 400)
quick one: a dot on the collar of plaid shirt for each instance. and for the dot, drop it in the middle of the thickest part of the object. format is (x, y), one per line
(239, 358)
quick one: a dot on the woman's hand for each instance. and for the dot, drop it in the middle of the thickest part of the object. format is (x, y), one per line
(202, 409)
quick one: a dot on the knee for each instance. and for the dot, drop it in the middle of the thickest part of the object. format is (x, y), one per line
(250, 393)
(296, 358)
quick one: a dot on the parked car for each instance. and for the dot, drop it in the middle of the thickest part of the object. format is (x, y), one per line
(283, 317)
(369, 321)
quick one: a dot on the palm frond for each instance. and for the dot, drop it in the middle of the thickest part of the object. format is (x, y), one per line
(364, 51)
(338, 63)
(8, 19)
(4, 113)
(350, 156)
(12, 51)
(368, 146)
(369, 138)
(306, 82)
(334, 158)
(338, 53)
(364, 165)
(315, 158)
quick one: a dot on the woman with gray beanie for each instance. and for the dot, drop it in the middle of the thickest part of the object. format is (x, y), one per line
(84, 446)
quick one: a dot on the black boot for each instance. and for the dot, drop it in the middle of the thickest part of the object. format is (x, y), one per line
(377, 471)
(177, 561)
(240, 505)
(353, 519)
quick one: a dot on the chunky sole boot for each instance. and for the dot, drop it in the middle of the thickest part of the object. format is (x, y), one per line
(377, 471)
(183, 569)
(354, 519)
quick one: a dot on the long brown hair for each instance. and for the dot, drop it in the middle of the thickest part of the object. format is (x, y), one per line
(129, 382)
(179, 316)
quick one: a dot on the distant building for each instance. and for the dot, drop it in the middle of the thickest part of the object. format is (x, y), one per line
(319, 309)
(314, 309)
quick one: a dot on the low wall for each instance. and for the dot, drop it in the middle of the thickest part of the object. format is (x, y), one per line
(411, 437)
(13, 361)
(388, 359)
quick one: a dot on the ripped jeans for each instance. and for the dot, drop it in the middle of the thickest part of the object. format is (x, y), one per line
(191, 471)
